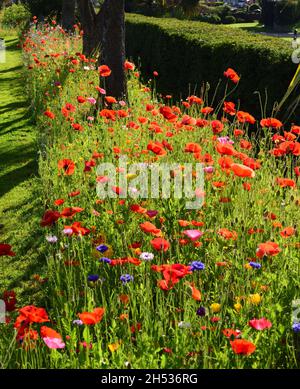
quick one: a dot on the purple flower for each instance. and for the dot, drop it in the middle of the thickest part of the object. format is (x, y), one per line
(51, 238)
(197, 265)
(225, 139)
(78, 322)
(255, 265)
(102, 248)
(209, 169)
(105, 260)
(151, 213)
(296, 327)
(93, 277)
(126, 278)
(201, 311)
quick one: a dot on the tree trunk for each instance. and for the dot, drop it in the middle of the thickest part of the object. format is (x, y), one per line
(68, 15)
(91, 26)
(113, 47)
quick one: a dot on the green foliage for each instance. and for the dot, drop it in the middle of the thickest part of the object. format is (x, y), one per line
(229, 19)
(16, 15)
(186, 54)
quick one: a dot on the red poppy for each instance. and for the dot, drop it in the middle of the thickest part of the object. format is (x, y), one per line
(110, 100)
(160, 244)
(81, 99)
(150, 228)
(49, 114)
(50, 217)
(192, 148)
(242, 346)
(242, 171)
(47, 332)
(245, 117)
(225, 149)
(129, 65)
(271, 122)
(229, 332)
(91, 318)
(31, 314)
(229, 108)
(5, 250)
(217, 126)
(67, 165)
(260, 324)
(268, 248)
(226, 234)
(10, 300)
(287, 232)
(70, 212)
(286, 182)
(232, 75)
(104, 71)
(168, 113)
(78, 229)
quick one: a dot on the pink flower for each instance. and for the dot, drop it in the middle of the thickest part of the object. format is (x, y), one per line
(193, 234)
(260, 324)
(54, 343)
(92, 100)
(102, 91)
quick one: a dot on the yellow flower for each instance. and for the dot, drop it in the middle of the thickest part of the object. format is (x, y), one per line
(255, 299)
(131, 176)
(237, 307)
(114, 346)
(247, 266)
(215, 307)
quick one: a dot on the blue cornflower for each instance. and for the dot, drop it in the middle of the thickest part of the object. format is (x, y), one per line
(93, 277)
(126, 278)
(255, 265)
(102, 248)
(296, 327)
(105, 260)
(197, 265)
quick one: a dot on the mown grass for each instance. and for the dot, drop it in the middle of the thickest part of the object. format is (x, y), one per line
(20, 204)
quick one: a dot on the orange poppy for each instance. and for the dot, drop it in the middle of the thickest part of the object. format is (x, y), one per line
(91, 318)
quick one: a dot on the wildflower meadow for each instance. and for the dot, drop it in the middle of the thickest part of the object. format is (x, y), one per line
(169, 228)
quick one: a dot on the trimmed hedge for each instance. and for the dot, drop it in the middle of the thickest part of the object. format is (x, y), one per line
(187, 53)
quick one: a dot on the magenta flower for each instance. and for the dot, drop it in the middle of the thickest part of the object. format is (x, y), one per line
(193, 234)
(260, 324)
(54, 343)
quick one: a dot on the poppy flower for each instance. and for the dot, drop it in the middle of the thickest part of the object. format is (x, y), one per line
(91, 318)
(10, 300)
(245, 117)
(49, 218)
(268, 249)
(271, 122)
(192, 148)
(226, 234)
(217, 126)
(49, 114)
(160, 244)
(260, 324)
(150, 228)
(104, 71)
(54, 343)
(129, 65)
(229, 108)
(67, 165)
(232, 75)
(225, 149)
(286, 182)
(196, 294)
(110, 100)
(5, 250)
(31, 314)
(47, 332)
(193, 234)
(77, 229)
(287, 232)
(242, 170)
(242, 346)
(229, 332)
(70, 212)
(81, 99)
(168, 113)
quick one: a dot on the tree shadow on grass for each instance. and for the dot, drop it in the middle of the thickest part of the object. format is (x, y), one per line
(19, 67)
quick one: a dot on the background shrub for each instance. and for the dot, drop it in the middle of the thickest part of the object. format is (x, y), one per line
(187, 54)
(229, 19)
(17, 15)
(287, 12)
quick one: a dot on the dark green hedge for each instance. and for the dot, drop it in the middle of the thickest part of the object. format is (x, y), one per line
(186, 54)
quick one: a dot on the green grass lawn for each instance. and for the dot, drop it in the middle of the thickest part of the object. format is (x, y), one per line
(20, 205)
